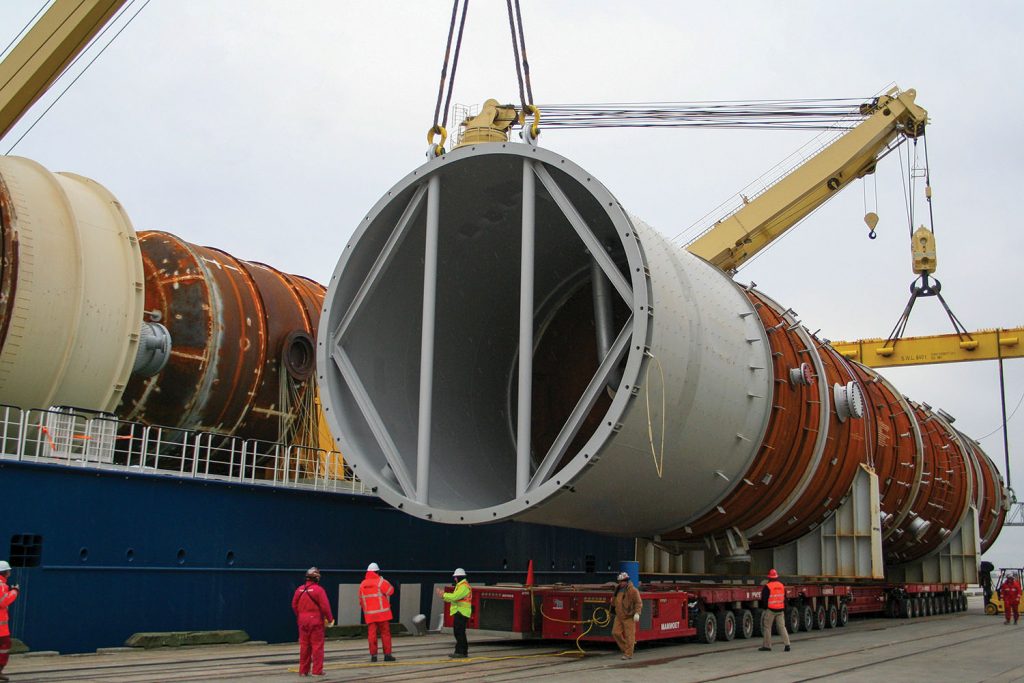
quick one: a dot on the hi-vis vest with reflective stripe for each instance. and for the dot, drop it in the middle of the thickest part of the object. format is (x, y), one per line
(372, 597)
(463, 605)
(776, 596)
(7, 596)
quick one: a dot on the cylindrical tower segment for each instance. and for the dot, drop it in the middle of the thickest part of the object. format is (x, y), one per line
(236, 327)
(686, 375)
(665, 399)
(70, 290)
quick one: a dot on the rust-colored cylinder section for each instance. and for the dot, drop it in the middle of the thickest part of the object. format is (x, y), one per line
(928, 472)
(989, 494)
(788, 451)
(240, 331)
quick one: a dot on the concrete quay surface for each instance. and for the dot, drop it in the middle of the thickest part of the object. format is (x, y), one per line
(965, 646)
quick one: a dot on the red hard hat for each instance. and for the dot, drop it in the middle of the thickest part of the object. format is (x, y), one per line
(772, 574)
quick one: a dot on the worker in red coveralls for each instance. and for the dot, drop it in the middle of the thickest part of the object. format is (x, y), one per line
(374, 594)
(8, 594)
(313, 612)
(1010, 592)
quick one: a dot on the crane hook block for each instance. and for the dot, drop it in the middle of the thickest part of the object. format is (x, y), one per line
(922, 251)
(871, 218)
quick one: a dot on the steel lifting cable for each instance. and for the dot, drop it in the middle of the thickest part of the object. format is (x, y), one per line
(515, 25)
(928, 182)
(810, 114)
(440, 126)
(515, 52)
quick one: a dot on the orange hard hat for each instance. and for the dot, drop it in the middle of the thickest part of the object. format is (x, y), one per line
(772, 574)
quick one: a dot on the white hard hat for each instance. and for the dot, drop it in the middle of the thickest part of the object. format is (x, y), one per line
(373, 567)
(459, 572)
(4, 567)
(623, 576)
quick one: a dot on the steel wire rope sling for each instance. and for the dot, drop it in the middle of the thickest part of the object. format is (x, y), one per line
(926, 288)
(523, 70)
(515, 23)
(441, 123)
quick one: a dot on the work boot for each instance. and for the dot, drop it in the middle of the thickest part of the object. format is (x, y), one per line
(787, 648)
(764, 649)
(388, 658)
(373, 658)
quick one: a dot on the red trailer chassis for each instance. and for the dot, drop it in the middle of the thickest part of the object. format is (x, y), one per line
(705, 611)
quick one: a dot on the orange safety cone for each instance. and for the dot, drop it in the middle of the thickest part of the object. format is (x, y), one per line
(529, 574)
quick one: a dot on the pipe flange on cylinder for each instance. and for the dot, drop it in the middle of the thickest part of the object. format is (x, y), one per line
(849, 401)
(801, 375)
(154, 349)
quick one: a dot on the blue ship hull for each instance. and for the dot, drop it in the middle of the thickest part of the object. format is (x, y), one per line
(126, 552)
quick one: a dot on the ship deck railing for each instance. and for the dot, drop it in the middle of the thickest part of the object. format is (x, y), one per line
(86, 439)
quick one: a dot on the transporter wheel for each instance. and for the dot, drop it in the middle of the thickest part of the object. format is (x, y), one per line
(963, 602)
(905, 608)
(929, 605)
(793, 619)
(947, 604)
(892, 608)
(744, 624)
(806, 618)
(707, 627)
(844, 615)
(819, 617)
(758, 615)
(916, 607)
(726, 625)
(833, 617)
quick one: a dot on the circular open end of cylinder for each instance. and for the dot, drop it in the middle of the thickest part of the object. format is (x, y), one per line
(452, 452)
(298, 355)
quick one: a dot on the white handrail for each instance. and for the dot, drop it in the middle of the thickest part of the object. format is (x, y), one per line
(100, 441)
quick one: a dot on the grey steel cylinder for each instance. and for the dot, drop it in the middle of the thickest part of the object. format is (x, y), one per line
(638, 417)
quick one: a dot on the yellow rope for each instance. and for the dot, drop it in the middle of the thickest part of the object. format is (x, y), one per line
(659, 460)
(601, 617)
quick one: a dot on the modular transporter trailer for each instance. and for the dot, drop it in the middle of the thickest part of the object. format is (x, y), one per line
(706, 611)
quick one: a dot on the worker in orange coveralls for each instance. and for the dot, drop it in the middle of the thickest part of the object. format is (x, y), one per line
(313, 612)
(1010, 592)
(8, 594)
(626, 604)
(374, 594)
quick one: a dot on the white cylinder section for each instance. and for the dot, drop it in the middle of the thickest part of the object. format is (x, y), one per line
(690, 359)
(76, 290)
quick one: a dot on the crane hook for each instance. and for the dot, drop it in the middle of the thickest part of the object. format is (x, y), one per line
(871, 218)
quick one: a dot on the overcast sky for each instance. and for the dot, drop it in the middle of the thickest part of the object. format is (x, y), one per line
(268, 129)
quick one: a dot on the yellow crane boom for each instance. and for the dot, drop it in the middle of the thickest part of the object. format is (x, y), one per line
(46, 50)
(737, 238)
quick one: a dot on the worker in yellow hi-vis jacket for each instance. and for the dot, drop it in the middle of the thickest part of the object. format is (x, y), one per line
(460, 602)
